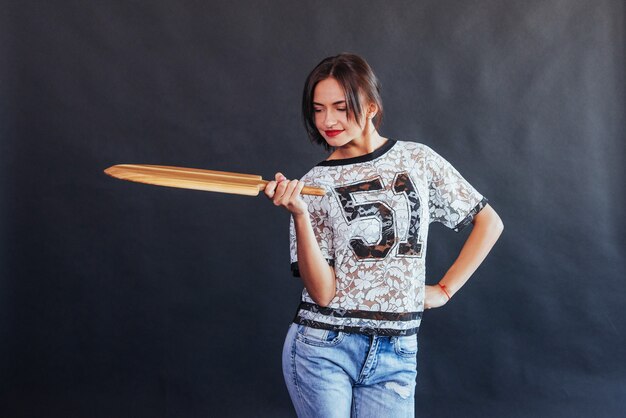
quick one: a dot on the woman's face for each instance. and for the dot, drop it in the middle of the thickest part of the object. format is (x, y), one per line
(331, 116)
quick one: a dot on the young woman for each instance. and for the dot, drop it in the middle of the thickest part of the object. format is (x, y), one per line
(360, 250)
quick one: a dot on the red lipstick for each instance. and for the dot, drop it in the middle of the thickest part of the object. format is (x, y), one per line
(332, 133)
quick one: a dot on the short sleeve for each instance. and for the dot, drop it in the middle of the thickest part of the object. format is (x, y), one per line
(452, 201)
(317, 206)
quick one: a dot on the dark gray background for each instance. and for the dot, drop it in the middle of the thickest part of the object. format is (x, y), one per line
(120, 299)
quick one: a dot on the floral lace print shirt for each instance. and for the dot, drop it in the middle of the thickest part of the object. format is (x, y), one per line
(372, 226)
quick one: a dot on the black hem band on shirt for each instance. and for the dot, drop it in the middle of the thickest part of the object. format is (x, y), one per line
(354, 313)
(361, 158)
(358, 314)
(383, 332)
(470, 216)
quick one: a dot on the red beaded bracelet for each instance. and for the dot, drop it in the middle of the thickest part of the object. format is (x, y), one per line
(443, 287)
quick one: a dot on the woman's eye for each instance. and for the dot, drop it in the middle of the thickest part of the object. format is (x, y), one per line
(317, 110)
(343, 109)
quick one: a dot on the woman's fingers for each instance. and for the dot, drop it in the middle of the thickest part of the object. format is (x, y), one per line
(270, 187)
(280, 192)
(298, 189)
(433, 297)
(285, 193)
(293, 190)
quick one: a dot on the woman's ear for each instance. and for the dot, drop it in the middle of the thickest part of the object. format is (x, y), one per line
(372, 110)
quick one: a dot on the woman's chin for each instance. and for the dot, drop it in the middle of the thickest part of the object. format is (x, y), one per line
(336, 142)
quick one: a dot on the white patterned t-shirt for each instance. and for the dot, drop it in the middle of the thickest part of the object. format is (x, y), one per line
(372, 226)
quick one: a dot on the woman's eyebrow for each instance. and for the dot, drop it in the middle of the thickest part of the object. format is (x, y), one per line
(335, 103)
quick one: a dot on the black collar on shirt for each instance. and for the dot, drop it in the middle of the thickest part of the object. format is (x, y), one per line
(361, 158)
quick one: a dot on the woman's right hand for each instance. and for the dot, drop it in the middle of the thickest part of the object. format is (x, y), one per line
(286, 193)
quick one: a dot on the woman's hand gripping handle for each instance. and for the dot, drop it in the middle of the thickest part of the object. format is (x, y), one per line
(286, 193)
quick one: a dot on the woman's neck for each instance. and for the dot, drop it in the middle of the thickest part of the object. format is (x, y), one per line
(368, 143)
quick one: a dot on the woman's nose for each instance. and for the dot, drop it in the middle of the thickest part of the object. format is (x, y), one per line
(330, 119)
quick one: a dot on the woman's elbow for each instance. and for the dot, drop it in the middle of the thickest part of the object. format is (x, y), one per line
(497, 224)
(323, 300)
(496, 227)
(323, 297)
(490, 219)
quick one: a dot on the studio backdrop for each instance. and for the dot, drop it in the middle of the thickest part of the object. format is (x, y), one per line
(120, 299)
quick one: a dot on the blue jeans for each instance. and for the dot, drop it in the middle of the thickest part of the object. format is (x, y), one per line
(335, 374)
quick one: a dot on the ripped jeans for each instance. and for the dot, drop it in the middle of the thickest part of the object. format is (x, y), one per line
(332, 374)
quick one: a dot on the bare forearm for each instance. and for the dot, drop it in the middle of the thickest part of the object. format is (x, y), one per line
(486, 231)
(318, 277)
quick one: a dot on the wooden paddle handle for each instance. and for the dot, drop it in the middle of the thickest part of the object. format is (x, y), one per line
(308, 190)
(313, 191)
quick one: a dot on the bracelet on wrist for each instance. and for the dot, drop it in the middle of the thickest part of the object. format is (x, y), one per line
(445, 290)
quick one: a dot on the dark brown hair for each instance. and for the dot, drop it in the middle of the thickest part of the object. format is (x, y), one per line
(356, 78)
